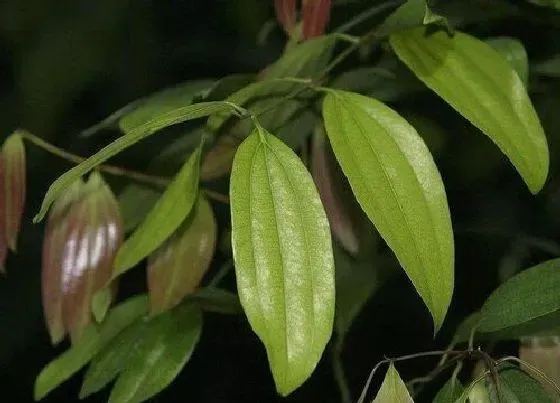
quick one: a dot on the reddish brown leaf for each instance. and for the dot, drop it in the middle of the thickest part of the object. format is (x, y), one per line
(286, 13)
(316, 15)
(177, 267)
(14, 186)
(344, 214)
(83, 237)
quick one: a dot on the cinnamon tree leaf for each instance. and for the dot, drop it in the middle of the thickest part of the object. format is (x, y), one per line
(393, 389)
(165, 217)
(283, 257)
(397, 184)
(176, 268)
(95, 337)
(132, 136)
(483, 87)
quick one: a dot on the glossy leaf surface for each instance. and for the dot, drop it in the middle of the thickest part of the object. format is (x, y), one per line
(176, 268)
(397, 184)
(95, 338)
(393, 389)
(530, 295)
(483, 87)
(165, 217)
(283, 257)
(133, 135)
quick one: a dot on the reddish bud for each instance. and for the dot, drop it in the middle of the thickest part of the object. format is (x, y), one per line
(176, 268)
(316, 15)
(83, 235)
(14, 186)
(286, 14)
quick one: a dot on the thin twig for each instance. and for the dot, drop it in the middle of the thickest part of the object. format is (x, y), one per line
(365, 15)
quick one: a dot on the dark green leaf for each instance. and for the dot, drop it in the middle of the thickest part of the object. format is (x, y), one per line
(393, 389)
(169, 342)
(133, 135)
(450, 392)
(546, 3)
(411, 14)
(515, 53)
(516, 387)
(396, 181)
(479, 83)
(283, 256)
(165, 217)
(531, 294)
(135, 202)
(211, 299)
(93, 340)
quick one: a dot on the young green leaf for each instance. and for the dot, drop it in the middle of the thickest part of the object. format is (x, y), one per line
(168, 343)
(133, 135)
(411, 14)
(165, 217)
(481, 85)
(397, 184)
(393, 389)
(450, 392)
(93, 340)
(530, 295)
(283, 257)
(176, 268)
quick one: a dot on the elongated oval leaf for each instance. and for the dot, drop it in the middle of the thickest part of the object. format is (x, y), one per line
(283, 257)
(176, 268)
(393, 389)
(397, 184)
(94, 339)
(133, 135)
(483, 87)
(530, 295)
(169, 342)
(165, 217)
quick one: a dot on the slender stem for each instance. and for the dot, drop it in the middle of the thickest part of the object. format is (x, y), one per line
(365, 15)
(222, 272)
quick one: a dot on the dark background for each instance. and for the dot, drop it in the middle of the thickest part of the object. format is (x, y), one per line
(66, 64)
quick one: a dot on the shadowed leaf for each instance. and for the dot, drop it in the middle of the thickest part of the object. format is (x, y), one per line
(176, 268)
(13, 152)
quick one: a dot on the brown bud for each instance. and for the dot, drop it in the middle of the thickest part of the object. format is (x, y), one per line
(13, 152)
(286, 14)
(316, 15)
(83, 235)
(176, 268)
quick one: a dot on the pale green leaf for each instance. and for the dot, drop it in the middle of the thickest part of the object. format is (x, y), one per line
(93, 340)
(283, 257)
(411, 14)
(165, 217)
(393, 389)
(531, 294)
(450, 392)
(168, 343)
(133, 135)
(514, 52)
(397, 184)
(481, 85)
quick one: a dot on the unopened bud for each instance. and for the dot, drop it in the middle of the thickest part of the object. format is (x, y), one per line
(316, 14)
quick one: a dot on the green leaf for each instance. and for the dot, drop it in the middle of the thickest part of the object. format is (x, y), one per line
(479, 83)
(514, 52)
(133, 135)
(393, 389)
(101, 302)
(211, 299)
(530, 295)
(411, 14)
(158, 347)
(397, 184)
(165, 217)
(516, 387)
(283, 257)
(169, 343)
(135, 202)
(450, 392)
(176, 268)
(93, 340)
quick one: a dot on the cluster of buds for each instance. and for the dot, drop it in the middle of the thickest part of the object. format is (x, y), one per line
(83, 235)
(314, 17)
(12, 197)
